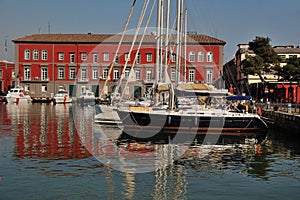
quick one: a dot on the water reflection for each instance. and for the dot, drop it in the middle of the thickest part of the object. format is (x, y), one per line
(45, 131)
(52, 141)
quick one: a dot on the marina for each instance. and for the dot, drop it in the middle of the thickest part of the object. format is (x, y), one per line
(46, 152)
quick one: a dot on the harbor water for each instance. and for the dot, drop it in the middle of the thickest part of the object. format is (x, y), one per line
(57, 152)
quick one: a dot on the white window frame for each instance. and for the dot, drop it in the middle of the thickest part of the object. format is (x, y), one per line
(116, 74)
(200, 56)
(126, 73)
(173, 74)
(209, 75)
(44, 73)
(117, 58)
(44, 88)
(105, 73)
(138, 59)
(127, 57)
(95, 57)
(35, 55)
(27, 54)
(105, 56)
(72, 73)
(61, 55)
(83, 56)
(173, 57)
(148, 74)
(83, 74)
(192, 56)
(27, 73)
(61, 73)
(149, 57)
(95, 73)
(191, 75)
(44, 54)
(209, 56)
(72, 57)
(138, 74)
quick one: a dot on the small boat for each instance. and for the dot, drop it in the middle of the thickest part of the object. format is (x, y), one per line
(16, 95)
(87, 97)
(62, 96)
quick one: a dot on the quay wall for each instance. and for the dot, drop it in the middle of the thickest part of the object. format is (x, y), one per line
(288, 123)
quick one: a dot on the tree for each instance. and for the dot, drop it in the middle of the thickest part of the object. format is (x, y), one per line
(264, 60)
(290, 71)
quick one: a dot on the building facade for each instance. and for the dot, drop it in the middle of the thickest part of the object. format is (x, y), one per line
(7, 76)
(267, 89)
(45, 62)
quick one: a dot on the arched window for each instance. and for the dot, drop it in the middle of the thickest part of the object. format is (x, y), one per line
(210, 56)
(201, 56)
(192, 56)
(27, 54)
(44, 55)
(35, 54)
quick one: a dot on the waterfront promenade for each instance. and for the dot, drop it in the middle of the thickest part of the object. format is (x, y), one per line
(285, 116)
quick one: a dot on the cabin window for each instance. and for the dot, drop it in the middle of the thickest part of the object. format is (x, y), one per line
(173, 74)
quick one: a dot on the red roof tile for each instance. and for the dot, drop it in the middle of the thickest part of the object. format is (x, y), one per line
(109, 38)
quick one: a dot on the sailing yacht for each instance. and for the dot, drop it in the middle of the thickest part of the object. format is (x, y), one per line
(184, 122)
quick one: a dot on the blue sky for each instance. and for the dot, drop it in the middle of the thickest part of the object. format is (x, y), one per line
(234, 21)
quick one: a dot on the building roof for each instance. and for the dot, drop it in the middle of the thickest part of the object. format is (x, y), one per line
(107, 38)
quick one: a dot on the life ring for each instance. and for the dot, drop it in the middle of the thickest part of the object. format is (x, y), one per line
(21, 95)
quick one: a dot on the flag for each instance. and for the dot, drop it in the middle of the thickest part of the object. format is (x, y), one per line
(5, 45)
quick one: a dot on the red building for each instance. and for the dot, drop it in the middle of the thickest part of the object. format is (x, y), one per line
(7, 76)
(45, 62)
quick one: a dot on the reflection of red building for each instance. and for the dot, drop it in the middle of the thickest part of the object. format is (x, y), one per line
(7, 73)
(50, 135)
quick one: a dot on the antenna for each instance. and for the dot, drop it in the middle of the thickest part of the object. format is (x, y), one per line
(49, 27)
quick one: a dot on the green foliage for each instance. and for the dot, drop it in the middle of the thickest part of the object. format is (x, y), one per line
(291, 71)
(265, 57)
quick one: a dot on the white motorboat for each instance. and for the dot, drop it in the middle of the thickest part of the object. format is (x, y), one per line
(17, 95)
(62, 96)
